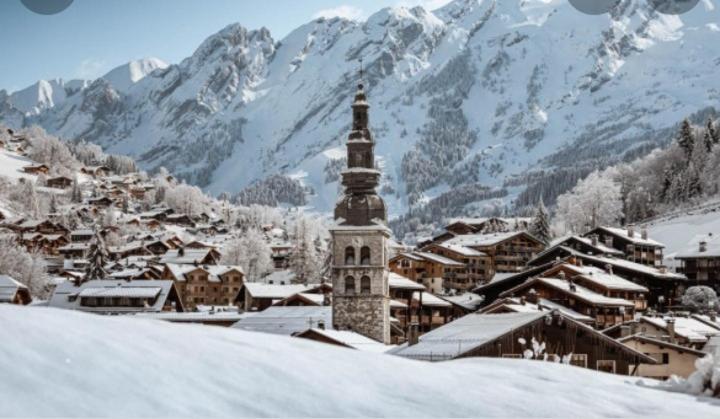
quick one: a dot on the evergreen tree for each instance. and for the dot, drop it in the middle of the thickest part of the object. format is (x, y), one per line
(76, 194)
(687, 138)
(97, 257)
(540, 225)
(714, 134)
(708, 140)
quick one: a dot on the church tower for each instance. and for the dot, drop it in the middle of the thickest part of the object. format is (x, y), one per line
(361, 300)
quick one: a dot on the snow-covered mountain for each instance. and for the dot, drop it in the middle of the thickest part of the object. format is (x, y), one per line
(513, 95)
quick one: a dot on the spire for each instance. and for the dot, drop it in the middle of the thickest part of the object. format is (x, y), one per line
(360, 205)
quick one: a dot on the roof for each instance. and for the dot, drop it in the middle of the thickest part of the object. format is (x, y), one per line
(214, 271)
(460, 249)
(64, 295)
(430, 300)
(692, 250)
(190, 255)
(687, 327)
(584, 293)
(490, 239)
(635, 237)
(606, 279)
(464, 334)
(352, 339)
(8, 288)
(286, 320)
(400, 282)
(438, 259)
(274, 291)
(662, 344)
(469, 301)
(600, 246)
(517, 305)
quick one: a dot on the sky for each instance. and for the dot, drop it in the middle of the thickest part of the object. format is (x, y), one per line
(92, 37)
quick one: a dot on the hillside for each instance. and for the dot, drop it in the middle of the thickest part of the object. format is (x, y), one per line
(150, 368)
(525, 95)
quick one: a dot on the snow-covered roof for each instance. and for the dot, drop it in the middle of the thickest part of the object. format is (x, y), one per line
(636, 236)
(464, 334)
(584, 293)
(280, 277)
(353, 340)
(396, 281)
(692, 250)
(8, 288)
(606, 279)
(489, 239)
(274, 291)
(430, 300)
(469, 300)
(460, 249)
(286, 320)
(120, 291)
(600, 246)
(189, 256)
(438, 259)
(691, 329)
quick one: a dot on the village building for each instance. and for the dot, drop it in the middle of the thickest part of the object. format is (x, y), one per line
(287, 320)
(435, 272)
(198, 256)
(509, 335)
(479, 266)
(13, 292)
(117, 297)
(636, 246)
(36, 169)
(686, 331)
(254, 296)
(361, 300)
(205, 284)
(343, 338)
(522, 305)
(671, 359)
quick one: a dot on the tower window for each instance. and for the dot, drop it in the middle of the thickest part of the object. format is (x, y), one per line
(365, 255)
(349, 285)
(349, 255)
(365, 285)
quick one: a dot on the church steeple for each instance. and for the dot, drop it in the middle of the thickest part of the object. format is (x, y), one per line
(361, 205)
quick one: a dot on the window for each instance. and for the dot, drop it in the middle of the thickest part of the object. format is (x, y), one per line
(365, 255)
(349, 285)
(349, 256)
(365, 285)
(579, 360)
(606, 365)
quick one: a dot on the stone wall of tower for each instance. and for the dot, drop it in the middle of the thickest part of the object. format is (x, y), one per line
(367, 313)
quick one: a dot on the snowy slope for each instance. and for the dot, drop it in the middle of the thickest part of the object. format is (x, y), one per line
(677, 230)
(86, 365)
(499, 93)
(11, 165)
(125, 76)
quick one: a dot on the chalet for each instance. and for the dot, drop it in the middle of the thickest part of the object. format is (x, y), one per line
(95, 171)
(505, 281)
(255, 296)
(509, 252)
(48, 244)
(102, 201)
(287, 320)
(343, 338)
(280, 254)
(508, 335)
(59, 182)
(478, 266)
(135, 248)
(74, 250)
(636, 246)
(180, 219)
(403, 305)
(39, 226)
(671, 359)
(36, 169)
(117, 297)
(433, 271)
(462, 226)
(183, 256)
(13, 292)
(131, 274)
(589, 245)
(606, 311)
(205, 284)
(700, 261)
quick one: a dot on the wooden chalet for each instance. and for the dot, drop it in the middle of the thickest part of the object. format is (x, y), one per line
(59, 182)
(411, 304)
(508, 335)
(478, 265)
(205, 284)
(700, 261)
(95, 171)
(186, 256)
(36, 169)
(135, 248)
(434, 271)
(687, 331)
(48, 244)
(255, 296)
(462, 226)
(671, 359)
(13, 292)
(636, 246)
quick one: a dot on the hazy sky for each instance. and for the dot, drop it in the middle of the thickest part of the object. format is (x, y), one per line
(93, 36)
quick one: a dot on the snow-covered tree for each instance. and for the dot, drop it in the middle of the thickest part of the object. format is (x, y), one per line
(251, 252)
(26, 267)
(705, 381)
(700, 298)
(97, 258)
(686, 140)
(594, 201)
(306, 259)
(540, 225)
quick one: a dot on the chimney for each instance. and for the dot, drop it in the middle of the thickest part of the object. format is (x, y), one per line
(608, 241)
(625, 331)
(321, 325)
(630, 230)
(594, 240)
(413, 334)
(703, 246)
(644, 234)
(671, 329)
(561, 274)
(532, 296)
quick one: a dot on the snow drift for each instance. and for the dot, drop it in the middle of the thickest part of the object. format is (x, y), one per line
(64, 363)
